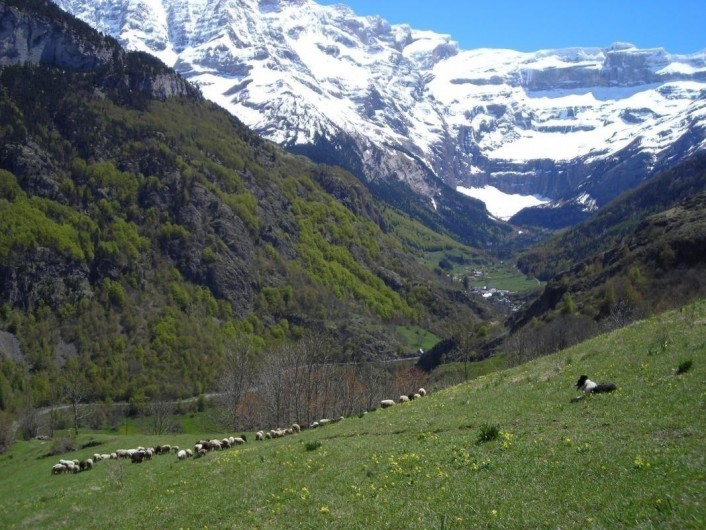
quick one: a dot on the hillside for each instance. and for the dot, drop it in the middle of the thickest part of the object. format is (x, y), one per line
(613, 222)
(143, 229)
(660, 265)
(633, 458)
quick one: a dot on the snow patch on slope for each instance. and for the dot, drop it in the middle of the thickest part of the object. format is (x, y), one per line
(502, 205)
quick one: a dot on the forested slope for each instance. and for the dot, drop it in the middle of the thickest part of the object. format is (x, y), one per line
(142, 230)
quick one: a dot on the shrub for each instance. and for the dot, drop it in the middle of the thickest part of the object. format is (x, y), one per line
(488, 433)
(684, 367)
(62, 445)
(312, 446)
(91, 443)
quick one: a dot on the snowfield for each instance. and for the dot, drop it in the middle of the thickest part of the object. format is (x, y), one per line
(415, 104)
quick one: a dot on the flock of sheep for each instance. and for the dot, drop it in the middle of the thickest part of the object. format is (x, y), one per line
(136, 456)
(386, 403)
(202, 447)
(72, 466)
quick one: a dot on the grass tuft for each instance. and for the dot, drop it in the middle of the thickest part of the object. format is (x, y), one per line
(312, 446)
(488, 433)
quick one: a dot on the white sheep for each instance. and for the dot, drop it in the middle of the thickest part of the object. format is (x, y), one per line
(259, 436)
(296, 428)
(58, 468)
(404, 399)
(385, 403)
(422, 392)
(181, 455)
(239, 441)
(189, 453)
(97, 457)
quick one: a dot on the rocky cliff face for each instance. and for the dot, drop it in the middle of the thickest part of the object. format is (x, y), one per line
(38, 32)
(395, 104)
(25, 38)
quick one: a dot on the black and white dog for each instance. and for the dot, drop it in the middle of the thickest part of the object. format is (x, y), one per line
(589, 387)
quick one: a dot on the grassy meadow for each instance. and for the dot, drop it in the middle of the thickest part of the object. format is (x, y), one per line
(510, 449)
(505, 277)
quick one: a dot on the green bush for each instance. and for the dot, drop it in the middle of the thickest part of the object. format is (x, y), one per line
(684, 367)
(488, 433)
(312, 446)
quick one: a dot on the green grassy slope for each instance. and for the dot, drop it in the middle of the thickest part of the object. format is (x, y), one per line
(634, 458)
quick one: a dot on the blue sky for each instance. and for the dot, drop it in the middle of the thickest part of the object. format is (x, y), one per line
(679, 26)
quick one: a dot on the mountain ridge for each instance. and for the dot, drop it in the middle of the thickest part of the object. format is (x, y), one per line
(577, 126)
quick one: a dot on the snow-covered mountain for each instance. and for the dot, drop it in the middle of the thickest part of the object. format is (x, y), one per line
(394, 103)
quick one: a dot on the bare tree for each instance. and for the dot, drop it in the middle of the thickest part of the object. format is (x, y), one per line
(377, 381)
(351, 391)
(29, 420)
(272, 386)
(518, 347)
(297, 381)
(462, 332)
(160, 413)
(76, 391)
(55, 392)
(236, 378)
(318, 351)
(7, 431)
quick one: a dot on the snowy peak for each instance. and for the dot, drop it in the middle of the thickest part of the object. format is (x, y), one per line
(394, 103)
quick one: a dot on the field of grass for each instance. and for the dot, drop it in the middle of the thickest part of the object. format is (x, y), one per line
(631, 459)
(416, 337)
(506, 277)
